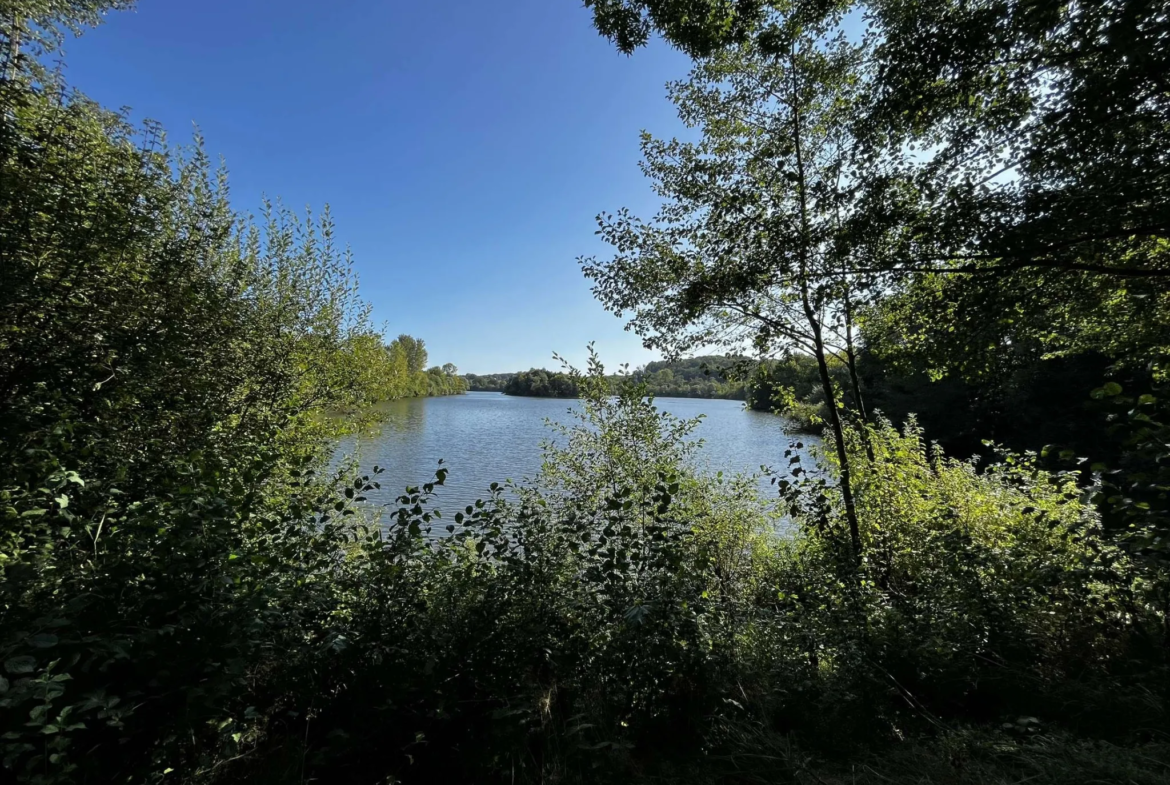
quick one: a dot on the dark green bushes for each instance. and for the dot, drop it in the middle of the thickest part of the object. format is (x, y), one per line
(791, 386)
(693, 377)
(628, 617)
(542, 384)
(166, 368)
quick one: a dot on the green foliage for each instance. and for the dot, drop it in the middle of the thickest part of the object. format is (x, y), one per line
(983, 593)
(491, 382)
(792, 386)
(696, 27)
(1030, 402)
(1028, 112)
(621, 443)
(400, 369)
(31, 28)
(964, 756)
(694, 377)
(187, 596)
(445, 380)
(751, 231)
(763, 384)
(168, 370)
(1068, 102)
(1008, 191)
(415, 351)
(541, 383)
(1135, 488)
(755, 243)
(626, 612)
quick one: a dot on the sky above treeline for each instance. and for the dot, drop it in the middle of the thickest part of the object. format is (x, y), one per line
(465, 147)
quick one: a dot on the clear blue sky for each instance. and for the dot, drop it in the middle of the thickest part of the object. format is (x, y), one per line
(464, 146)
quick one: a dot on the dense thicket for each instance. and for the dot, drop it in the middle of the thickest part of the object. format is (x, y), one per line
(488, 382)
(541, 384)
(993, 197)
(964, 206)
(693, 377)
(170, 375)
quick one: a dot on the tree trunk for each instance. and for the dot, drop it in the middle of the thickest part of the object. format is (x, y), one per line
(806, 248)
(851, 361)
(837, 428)
(12, 53)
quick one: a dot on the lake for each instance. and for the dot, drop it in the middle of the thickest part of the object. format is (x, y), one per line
(486, 437)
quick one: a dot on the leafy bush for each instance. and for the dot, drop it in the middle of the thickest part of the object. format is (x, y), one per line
(166, 372)
(587, 631)
(541, 384)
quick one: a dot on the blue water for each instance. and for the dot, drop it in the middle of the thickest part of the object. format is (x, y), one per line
(490, 437)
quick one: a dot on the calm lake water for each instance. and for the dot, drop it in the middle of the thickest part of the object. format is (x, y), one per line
(490, 437)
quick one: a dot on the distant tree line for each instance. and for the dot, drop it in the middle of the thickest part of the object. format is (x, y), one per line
(788, 386)
(695, 377)
(405, 377)
(490, 382)
(541, 383)
(1032, 403)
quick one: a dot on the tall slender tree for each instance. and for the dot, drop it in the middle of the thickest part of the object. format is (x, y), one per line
(1040, 132)
(752, 242)
(416, 353)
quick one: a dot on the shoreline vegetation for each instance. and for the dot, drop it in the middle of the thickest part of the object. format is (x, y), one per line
(399, 375)
(949, 235)
(405, 374)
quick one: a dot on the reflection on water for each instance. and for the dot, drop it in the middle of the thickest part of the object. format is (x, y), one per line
(489, 437)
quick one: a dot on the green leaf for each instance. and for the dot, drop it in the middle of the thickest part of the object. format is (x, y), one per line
(21, 664)
(43, 640)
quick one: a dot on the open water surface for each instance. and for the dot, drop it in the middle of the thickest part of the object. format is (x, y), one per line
(487, 437)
